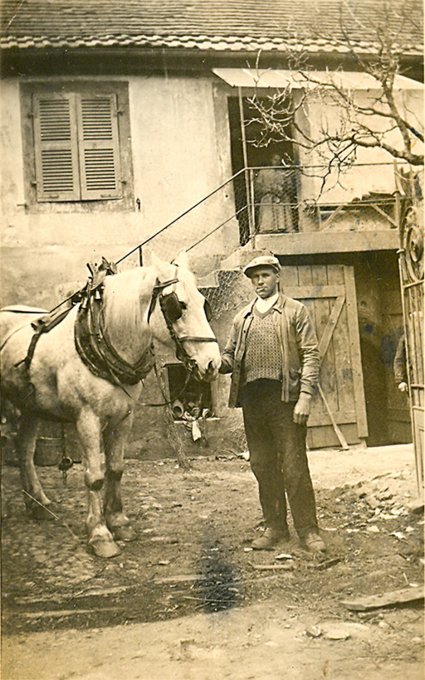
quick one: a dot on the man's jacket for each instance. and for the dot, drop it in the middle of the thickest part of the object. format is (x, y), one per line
(298, 344)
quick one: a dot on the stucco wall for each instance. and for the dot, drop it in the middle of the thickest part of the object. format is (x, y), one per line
(177, 159)
(374, 171)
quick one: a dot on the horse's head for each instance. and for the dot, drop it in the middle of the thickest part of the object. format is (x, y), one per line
(186, 313)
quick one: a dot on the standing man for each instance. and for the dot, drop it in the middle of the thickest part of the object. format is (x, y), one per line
(273, 356)
(400, 365)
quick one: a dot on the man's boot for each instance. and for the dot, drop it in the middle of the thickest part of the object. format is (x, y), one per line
(314, 543)
(269, 539)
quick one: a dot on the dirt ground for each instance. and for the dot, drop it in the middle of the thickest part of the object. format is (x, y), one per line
(189, 599)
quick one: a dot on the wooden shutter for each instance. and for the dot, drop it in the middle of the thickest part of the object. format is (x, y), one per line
(99, 147)
(56, 150)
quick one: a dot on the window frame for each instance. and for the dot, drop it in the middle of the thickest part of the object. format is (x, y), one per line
(80, 88)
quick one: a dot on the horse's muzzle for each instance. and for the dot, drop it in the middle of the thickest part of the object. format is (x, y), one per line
(209, 373)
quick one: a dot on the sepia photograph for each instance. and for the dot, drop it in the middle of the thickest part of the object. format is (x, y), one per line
(212, 339)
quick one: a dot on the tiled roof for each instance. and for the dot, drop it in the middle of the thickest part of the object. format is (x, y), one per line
(218, 25)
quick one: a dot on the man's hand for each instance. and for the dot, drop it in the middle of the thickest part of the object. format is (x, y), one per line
(302, 409)
(403, 387)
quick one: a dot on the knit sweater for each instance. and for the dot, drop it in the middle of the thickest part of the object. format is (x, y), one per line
(263, 358)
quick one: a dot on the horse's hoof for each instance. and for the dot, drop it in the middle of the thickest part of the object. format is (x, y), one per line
(41, 513)
(105, 549)
(124, 533)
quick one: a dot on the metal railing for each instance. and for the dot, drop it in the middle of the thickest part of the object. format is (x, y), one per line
(277, 199)
(310, 198)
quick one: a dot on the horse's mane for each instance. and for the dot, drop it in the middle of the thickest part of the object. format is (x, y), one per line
(127, 297)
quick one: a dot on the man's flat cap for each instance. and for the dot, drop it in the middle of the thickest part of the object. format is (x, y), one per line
(261, 261)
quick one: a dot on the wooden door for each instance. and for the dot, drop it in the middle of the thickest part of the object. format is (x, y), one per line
(329, 293)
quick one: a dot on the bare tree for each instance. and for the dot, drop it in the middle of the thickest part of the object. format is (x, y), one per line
(381, 118)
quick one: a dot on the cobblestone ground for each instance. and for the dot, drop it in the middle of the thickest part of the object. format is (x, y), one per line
(192, 556)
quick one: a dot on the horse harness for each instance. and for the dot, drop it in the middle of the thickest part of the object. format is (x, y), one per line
(91, 339)
(172, 310)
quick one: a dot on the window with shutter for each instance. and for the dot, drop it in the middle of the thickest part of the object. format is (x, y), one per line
(56, 150)
(98, 147)
(77, 154)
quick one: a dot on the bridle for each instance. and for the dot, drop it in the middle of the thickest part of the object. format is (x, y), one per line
(172, 310)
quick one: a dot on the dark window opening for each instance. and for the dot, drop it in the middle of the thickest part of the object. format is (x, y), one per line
(257, 152)
(189, 397)
(273, 212)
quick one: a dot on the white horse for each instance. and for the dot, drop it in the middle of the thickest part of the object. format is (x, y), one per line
(65, 379)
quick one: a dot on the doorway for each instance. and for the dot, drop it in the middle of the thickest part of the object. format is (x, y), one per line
(380, 327)
(380, 324)
(258, 154)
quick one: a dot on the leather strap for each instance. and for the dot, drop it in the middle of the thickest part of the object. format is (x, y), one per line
(97, 353)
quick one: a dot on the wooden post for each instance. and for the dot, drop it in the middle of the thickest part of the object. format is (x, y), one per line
(245, 162)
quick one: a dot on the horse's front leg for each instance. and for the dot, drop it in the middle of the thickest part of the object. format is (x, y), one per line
(35, 499)
(115, 438)
(99, 537)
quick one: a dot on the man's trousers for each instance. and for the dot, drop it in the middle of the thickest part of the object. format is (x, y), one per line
(278, 457)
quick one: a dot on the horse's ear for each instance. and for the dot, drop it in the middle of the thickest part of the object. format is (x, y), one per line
(182, 260)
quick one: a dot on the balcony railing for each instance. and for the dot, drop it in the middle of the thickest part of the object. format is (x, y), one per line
(302, 199)
(277, 199)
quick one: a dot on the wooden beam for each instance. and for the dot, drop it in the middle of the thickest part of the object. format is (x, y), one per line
(357, 371)
(384, 214)
(337, 431)
(362, 604)
(330, 326)
(314, 292)
(314, 242)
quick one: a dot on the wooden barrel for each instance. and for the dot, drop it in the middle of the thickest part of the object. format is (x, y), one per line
(50, 443)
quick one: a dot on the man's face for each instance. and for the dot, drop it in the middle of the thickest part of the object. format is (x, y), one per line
(265, 281)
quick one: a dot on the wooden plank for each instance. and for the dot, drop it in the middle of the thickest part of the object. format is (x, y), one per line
(179, 578)
(322, 305)
(305, 280)
(330, 326)
(322, 418)
(317, 290)
(336, 429)
(353, 330)
(273, 567)
(305, 276)
(389, 599)
(340, 343)
(329, 371)
(309, 243)
(289, 278)
(384, 214)
(325, 224)
(312, 442)
(325, 435)
(62, 613)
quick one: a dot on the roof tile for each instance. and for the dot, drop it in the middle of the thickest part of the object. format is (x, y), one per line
(197, 24)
